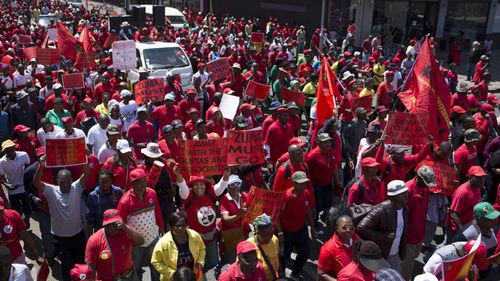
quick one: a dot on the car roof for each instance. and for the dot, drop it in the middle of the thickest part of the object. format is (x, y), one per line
(155, 45)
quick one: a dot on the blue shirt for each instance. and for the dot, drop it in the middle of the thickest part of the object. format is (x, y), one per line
(98, 203)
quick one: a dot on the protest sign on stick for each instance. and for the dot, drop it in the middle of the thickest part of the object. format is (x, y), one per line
(298, 97)
(65, 152)
(203, 157)
(124, 55)
(446, 177)
(262, 201)
(257, 90)
(245, 147)
(229, 106)
(48, 56)
(405, 128)
(73, 81)
(219, 68)
(149, 89)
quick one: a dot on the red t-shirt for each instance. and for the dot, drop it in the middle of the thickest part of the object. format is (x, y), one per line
(385, 94)
(294, 123)
(322, 167)
(418, 200)
(11, 225)
(227, 204)
(99, 90)
(165, 115)
(371, 194)
(99, 254)
(83, 114)
(201, 213)
(185, 105)
(335, 255)
(169, 150)
(462, 203)
(140, 133)
(277, 138)
(120, 173)
(294, 212)
(233, 273)
(465, 156)
(352, 272)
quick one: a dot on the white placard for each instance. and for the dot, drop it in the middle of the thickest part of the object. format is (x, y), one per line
(52, 34)
(229, 105)
(124, 55)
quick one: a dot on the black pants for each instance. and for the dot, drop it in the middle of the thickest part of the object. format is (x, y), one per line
(300, 241)
(70, 251)
(21, 204)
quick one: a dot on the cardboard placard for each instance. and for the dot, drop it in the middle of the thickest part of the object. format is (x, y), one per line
(446, 177)
(407, 128)
(24, 39)
(257, 37)
(52, 34)
(245, 147)
(48, 56)
(65, 152)
(257, 90)
(262, 201)
(298, 97)
(352, 28)
(364, 102)
(219, 68)
(73, 81)
(149, 89)
(229, 106)
(203, 157)
(124, 55)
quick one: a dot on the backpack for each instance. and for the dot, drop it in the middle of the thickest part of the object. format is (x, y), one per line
(288, 173)
(357, 212)
(345, 193)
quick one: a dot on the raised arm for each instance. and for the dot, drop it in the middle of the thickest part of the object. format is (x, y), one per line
(222, 184)
(37, 181)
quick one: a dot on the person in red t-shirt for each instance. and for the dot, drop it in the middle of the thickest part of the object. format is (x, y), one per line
(292, 228)
(385, 92)
(464, 199)
(372, 186)
(294, 121)
(337, 252)
(87, 112)
(466, 155)
(121, 164)
(141, 132)
(277, 136)
(169, 145)
(189, 102)
(165, 114)
(190, 126)
(109, 250)
(25, 141)
(367, 261)
(103, 87)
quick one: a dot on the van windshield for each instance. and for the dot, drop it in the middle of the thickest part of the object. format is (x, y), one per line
(176, 19)
(159, 58)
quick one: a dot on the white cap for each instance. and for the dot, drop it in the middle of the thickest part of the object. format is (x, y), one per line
(425, 277)
(233, 179)
(57, 86)
(125, 93)
(123, 146)
(396, 187)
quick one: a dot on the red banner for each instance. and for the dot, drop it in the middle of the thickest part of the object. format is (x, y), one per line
(149, 89)
(24, 39)
(219, 68)
(30, 53)
(298, 97)
(262, 201)
(257, 37)
(364, 102)
(85, 60)
(245, 147)
(405, 128)
(48, 56)
(65, 152)
(257, 90)
(203, 157)
(73, 81)
(446, 177)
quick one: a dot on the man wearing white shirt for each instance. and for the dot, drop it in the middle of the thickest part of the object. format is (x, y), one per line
(20, 77)
(97, 134)
(108, 149)
(34, 66)
(69, 130)
(47, 131)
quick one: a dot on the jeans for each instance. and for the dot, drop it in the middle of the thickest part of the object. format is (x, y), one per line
(412, 253)
(70, 251)
(395, 262)
(21, 204)
(300, 241)
(211, 255)
(141, 256)
(47, 240)
(324, 197)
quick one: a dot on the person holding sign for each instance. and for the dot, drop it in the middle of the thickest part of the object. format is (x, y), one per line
(168, 112)
(198, 199)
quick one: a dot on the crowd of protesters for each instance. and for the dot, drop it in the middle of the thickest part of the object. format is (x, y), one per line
(102, 220)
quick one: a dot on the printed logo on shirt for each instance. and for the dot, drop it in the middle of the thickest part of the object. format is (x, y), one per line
(150, 200)
(206, 216)
(7, 229)
(104, 255)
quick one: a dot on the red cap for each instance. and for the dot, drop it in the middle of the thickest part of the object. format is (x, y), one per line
(247, 106)
(476, 171)
(81, 272)
(67, 120)
(487, 107)
(195, 179)
(389, 73)
(458, 109)
(193, 110)
(369, 162)
(296, 141)
(88, 100)
(227, 91)
(40, 151)
(201, 65)
(347, 54)
(245, 247)
(137, 174)
(281, 110)
(492, 98)
(2, 204)
(111, 216)
(190, 91)
(21, 129)
(307, 52)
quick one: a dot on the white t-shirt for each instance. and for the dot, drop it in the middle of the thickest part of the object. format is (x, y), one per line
(21, 80)
(96, 137)
(20, 272)
(399, 232)
(104, 153)
(77, 133)
(128, 113)
(42, 135)
(64, 209)
(13, 170)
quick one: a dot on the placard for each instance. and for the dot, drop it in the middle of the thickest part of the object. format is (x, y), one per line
(48, 56)
(364, 102)
(257, 90)
(458, 269)
(257, 37)
(24, 39)
(245, 147)
(124, 55)
(298, 97)
(446, 177)
(52, 34)
(262, 201)
(149, 89)
(229, 106)
(203, 157)
(73, 81)
(30, 53)
(219, 68)
(407, 128)
(352, 28)
(65, 152)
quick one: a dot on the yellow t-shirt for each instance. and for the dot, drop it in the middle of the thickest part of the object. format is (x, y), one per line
(272, 250)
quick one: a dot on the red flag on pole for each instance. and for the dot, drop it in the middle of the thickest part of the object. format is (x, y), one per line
(426, 91)
(326, 93)
(87, 40)
(66, 41)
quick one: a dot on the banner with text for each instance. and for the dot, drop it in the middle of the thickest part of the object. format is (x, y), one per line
(257, 90)
(245, 147)
(73, 81)
(364, 102)
(257, 37)
(446, 177)
(219, 68)
(262, 201)
(124, 55)
(65, 152)
(407, 128)
(203, 157)
(298, 97)
(149, 89)
(48, 56)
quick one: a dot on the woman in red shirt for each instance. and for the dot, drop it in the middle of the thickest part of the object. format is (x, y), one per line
(217, 124)
(198, 200)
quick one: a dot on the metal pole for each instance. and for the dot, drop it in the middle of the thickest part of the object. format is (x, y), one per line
(321, 38)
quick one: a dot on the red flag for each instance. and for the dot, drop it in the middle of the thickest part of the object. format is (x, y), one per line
(326, 93)
(426, 91)
(66, 41)
(87, 40)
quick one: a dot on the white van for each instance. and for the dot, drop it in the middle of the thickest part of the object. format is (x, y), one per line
(160, 57)
(172, 15)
